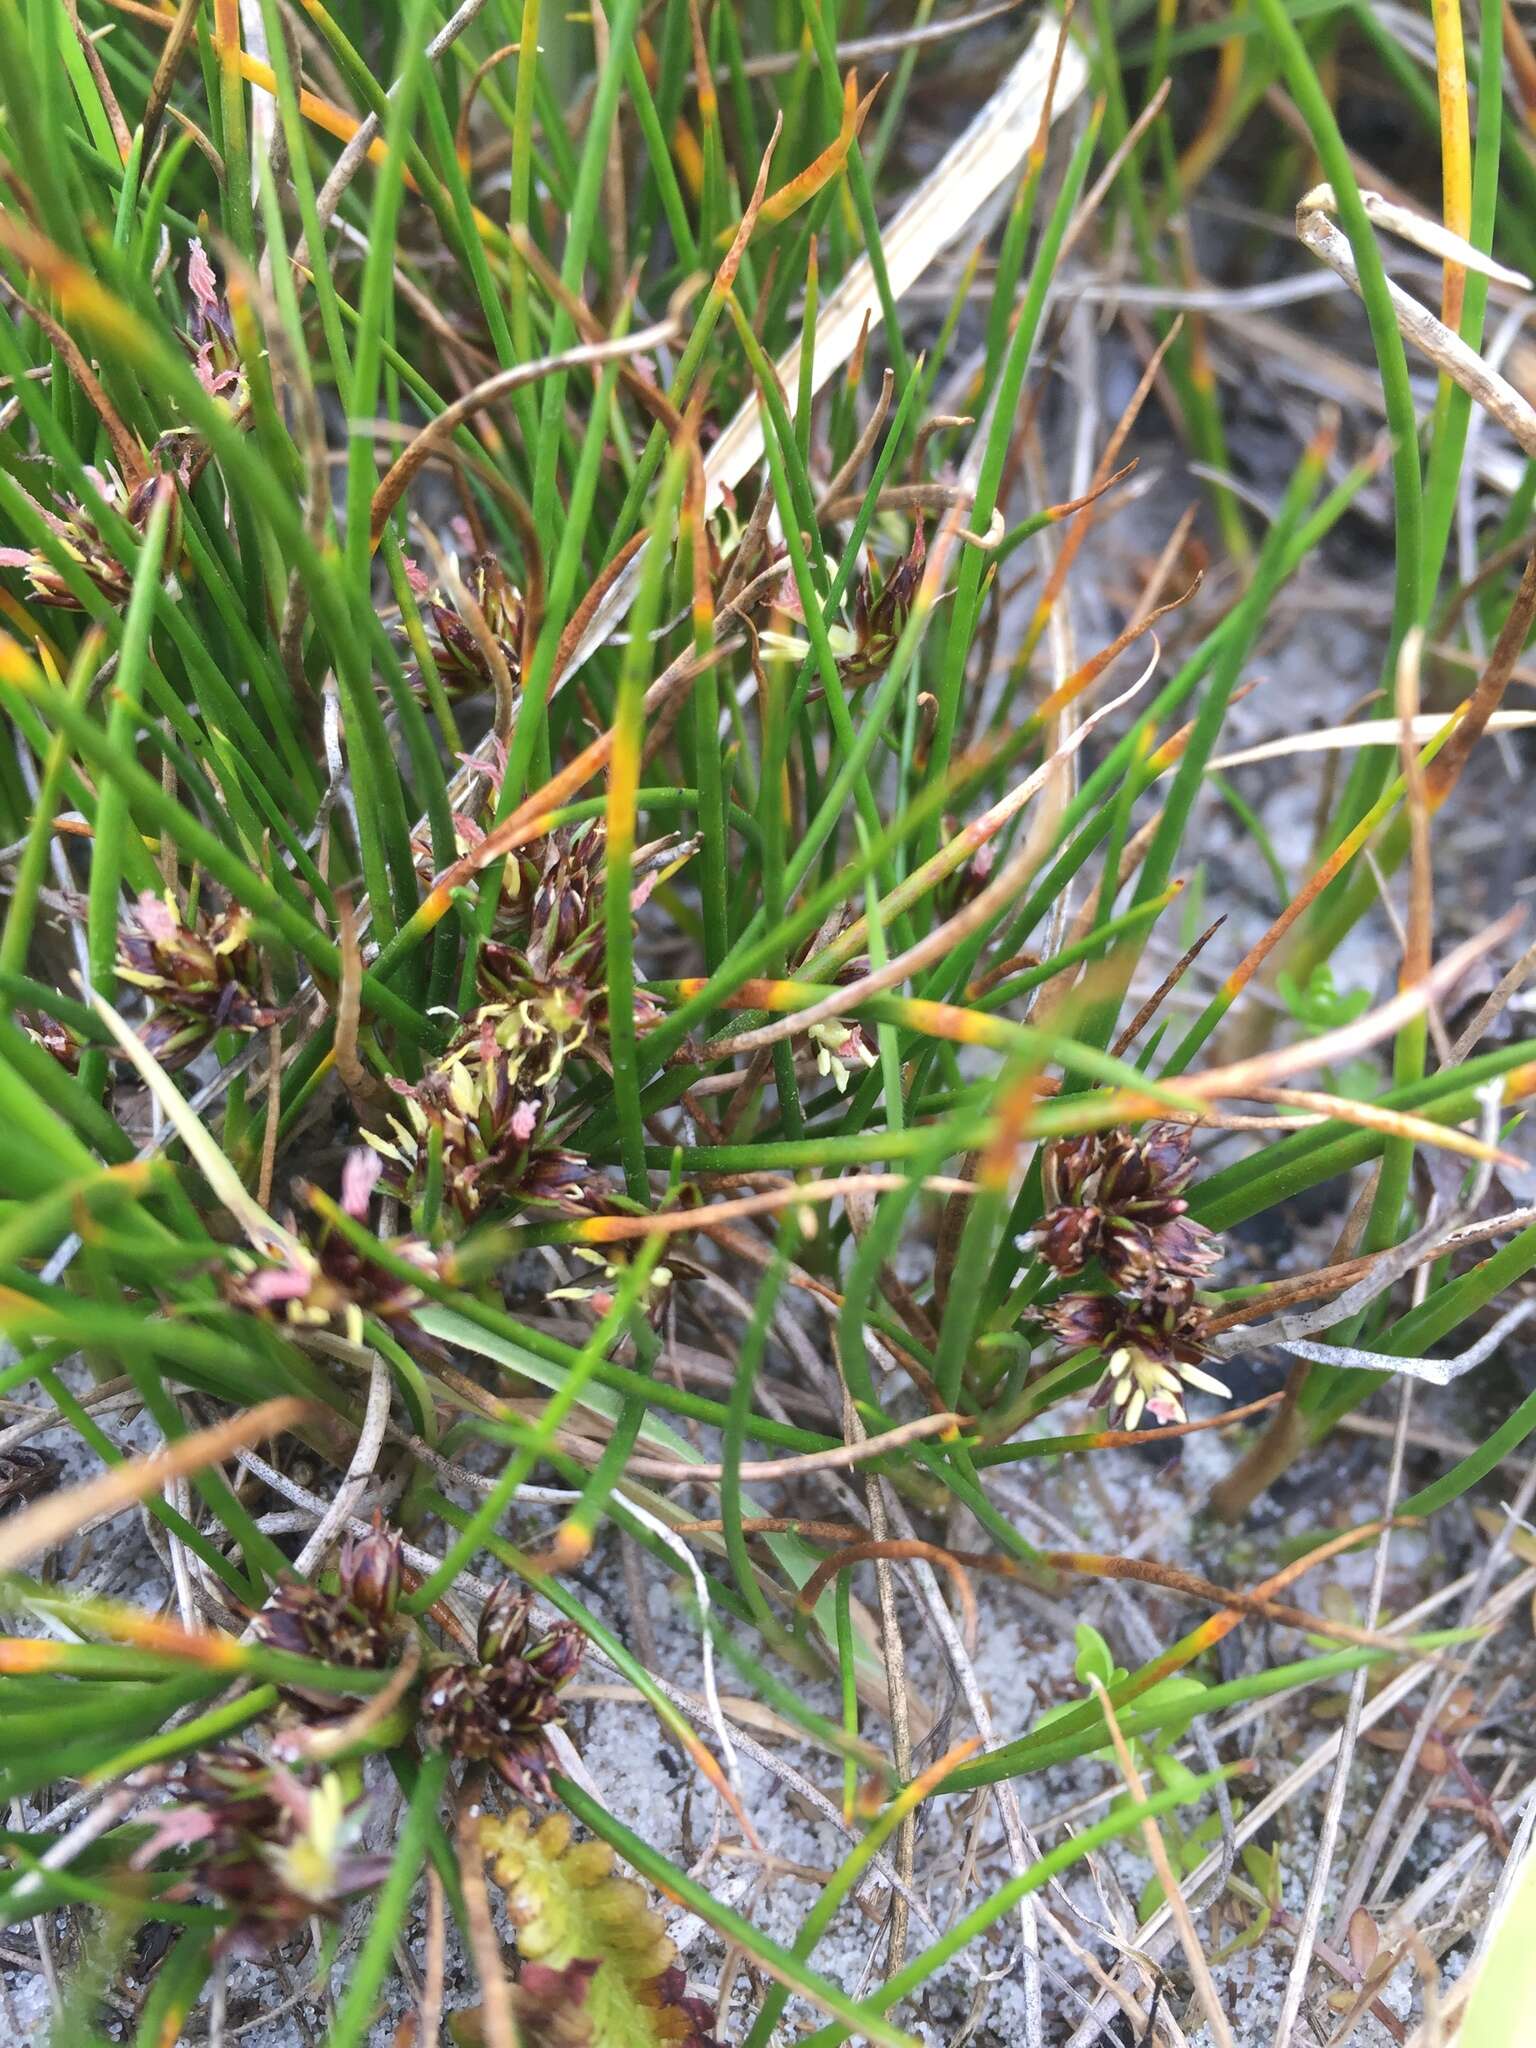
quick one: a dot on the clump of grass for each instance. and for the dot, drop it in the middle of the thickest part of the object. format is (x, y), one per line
(591, 935)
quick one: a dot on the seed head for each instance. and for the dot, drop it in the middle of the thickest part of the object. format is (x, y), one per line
(80, 536)
(353, 1626)
(215, 352)
(500, 1707)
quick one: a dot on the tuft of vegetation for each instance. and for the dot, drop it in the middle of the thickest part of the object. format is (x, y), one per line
(678, 881)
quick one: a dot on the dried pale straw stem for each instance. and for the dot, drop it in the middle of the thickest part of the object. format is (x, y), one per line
(1151, 1834)
(1349, 1736)
(1365, 732)
(1369, 1854)
(1152, 1937)
(47, 1522)
(1330, 1280)
(359, 1472)
(1447, 351)
(722, 1733)
(1434, 1372)
(1399, 1628)
(838, 1460)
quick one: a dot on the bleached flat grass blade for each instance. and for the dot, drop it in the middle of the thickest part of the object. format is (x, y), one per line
(976, 165)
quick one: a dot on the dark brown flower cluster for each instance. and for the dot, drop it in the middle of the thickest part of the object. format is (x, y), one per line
(551, 928)
(1117, 1197)
(460, 651)
(324, 1278)
(355, 1625)
(500, 1708)
(200, 977)
(275, 1845)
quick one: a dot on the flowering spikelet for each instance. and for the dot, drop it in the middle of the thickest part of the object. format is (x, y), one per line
(606, 1276)
(564, 880)
(489, 1097)
(550, 915)
(841, 1047)
(55, 1039)
(1117, 1196)
(82, 539)
(456, 647)
(555, 932)
(200, 977)
(879, 618)
(1152, 1347)
(474, 1132)
(500, 1707)
(211, 334)
(480, 1114)
(173, 462)
(328, 1280)
(276, 1846)
(353, 1626)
